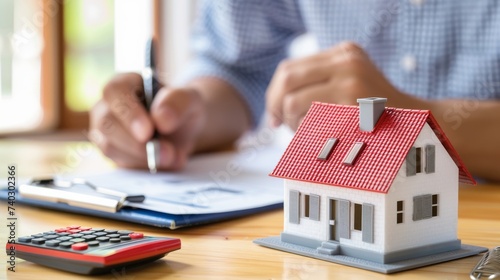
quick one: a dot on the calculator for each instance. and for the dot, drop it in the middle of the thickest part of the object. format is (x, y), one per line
(87, 250)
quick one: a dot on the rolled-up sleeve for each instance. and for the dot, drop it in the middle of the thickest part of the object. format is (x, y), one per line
(242, 42)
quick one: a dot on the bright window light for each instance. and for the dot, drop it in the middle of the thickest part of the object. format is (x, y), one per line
(21, 45)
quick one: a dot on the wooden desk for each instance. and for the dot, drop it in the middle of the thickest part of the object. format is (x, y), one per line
(224, 250)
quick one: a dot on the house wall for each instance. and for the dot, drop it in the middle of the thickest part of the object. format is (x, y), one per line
(443, 182)
(320, 229)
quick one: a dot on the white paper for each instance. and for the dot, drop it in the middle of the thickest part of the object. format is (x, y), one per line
(211, 183)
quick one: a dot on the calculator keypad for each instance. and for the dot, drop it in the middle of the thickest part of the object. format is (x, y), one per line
(87, 250)
(79, 239)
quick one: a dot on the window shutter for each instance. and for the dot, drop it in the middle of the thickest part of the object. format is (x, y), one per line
(314, 201)
(430, 159)
(411, 162)
(417, 208)
(344, 219)
(426, 206)
(293, 209)
(422, 207)
(367, 223)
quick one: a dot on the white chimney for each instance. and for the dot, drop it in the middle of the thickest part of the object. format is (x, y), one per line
(370, 110)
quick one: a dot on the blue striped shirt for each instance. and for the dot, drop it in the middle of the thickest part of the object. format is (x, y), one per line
(432, 49)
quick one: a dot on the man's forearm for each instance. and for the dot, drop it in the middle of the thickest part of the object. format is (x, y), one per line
(228, 116)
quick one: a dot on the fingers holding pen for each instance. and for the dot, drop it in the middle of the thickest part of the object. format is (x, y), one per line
(178, 116)
(122, 95)
(173, 108)
(113, 139)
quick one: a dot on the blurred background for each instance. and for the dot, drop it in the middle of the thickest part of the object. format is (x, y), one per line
(56, 55)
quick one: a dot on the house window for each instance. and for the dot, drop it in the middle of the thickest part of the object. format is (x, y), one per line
(415, 160)
(399, 212)
(358, 215)
(418, 159)
(311, 206)
(354, 153)
(327, 149)
(434, 205)
(425, 206)
(306, 206)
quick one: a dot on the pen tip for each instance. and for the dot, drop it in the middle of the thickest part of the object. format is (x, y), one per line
(152, 152)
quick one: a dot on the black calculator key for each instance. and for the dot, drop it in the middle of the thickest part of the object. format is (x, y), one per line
(93, 243)
(49, 232)
(100, 233)
(97, 229)
(76, 240)
(113, 235)
(51, 236)
(53, 242)
(63, 238)
(66, 244)
(76, 235)
(125, 237)
(87, 232)
(37, 235)
(103, 238)
(63, 233)
(124, 232)
(25, 239)
(89, 237)
(114, 240)
(38, 241)
(110, 231)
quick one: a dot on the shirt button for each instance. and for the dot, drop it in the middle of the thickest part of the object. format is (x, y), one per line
(409, 63)
(417, 3)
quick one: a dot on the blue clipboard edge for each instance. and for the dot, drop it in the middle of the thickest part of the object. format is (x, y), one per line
(146, 217)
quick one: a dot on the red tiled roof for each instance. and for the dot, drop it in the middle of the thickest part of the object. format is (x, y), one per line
(378, 164)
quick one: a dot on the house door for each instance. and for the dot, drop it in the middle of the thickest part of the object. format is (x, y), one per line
(339, 217)
(333, 219)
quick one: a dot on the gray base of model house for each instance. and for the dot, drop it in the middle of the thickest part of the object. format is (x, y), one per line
(388, 263)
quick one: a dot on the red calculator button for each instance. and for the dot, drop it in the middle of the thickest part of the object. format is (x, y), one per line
(73, 227)
(74, 230)
(84, 228)
(136, 235)
(80, 246)
(61, 230)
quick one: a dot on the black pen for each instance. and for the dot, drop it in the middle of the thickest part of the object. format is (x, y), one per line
(151, 87)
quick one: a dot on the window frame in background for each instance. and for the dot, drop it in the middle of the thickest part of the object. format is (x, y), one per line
(45, 20)
(166, 19)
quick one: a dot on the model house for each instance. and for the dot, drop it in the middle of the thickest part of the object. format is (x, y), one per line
(369, 182)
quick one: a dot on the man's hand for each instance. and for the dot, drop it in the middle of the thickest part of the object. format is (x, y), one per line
(339, 75)
(121, 126)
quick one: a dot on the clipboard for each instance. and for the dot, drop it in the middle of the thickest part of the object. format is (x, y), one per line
(101, 195)
(102, 199)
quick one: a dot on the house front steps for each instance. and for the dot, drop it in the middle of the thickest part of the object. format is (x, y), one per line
(328, 248)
